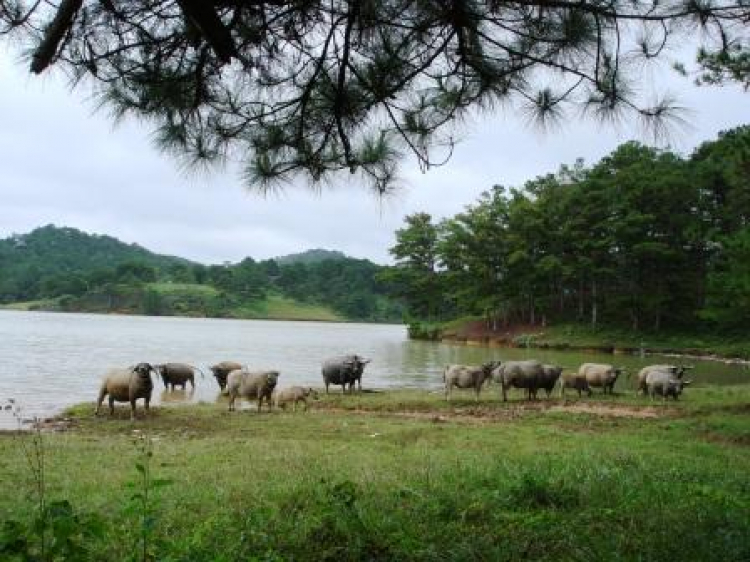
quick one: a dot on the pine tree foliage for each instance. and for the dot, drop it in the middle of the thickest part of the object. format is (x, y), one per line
(312, 88)
(644, 239)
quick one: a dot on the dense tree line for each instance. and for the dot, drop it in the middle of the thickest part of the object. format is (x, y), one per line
(645, 238)
(89, 271)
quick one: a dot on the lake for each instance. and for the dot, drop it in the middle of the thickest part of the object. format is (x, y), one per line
(53, 360)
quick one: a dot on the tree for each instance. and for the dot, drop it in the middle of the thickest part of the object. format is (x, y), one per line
(249, 280)
(135, 272)
(152, 302)
(474, 250)
(314, 88)
(415, 275)
(730, 63)
(655, 234)
(728, 301)
(644, 239)
(722, 169)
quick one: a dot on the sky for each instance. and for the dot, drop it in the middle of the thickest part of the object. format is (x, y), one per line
(63, 163)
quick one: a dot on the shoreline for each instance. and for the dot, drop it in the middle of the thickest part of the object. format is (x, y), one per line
(10, 308)
(702, 344)
(606, 349)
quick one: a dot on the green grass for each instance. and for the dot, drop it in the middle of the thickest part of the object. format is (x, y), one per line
(277, 307)
(273, 306)
(405, 476)
(184, 289)
(41, 304)
(705, 342)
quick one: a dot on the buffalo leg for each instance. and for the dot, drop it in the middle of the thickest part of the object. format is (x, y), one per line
(102, 394)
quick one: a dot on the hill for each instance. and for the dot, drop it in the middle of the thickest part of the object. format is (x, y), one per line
(32, 264)
(310, 256)
(60, 268)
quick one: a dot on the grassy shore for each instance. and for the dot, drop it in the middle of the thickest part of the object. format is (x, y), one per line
(704, 342)
(404, 476)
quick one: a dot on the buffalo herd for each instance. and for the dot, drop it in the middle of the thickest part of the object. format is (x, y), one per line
(531, 376)
(238, 381)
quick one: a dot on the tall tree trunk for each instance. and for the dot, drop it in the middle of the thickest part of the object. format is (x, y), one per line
(634, 319)
(594, 311)
(580, 299)
(532, 315)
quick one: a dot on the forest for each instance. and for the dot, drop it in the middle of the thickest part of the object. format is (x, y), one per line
(645, 239)
(69, 270)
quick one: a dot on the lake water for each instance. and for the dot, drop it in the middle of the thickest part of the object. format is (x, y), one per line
(50, 360)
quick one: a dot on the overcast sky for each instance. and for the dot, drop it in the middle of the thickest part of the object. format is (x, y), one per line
(62, 163)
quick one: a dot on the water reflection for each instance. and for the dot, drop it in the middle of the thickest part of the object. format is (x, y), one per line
(177, 395)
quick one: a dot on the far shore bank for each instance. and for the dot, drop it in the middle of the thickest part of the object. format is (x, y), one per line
(20, 307)
(576, 337)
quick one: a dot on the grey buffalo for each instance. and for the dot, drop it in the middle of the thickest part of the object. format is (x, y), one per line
(575, 381)
(519, 374)
(345, 370)
(221, 372)
(677, 371)
(177, 374)
(466, 376)
(550, 376)
(600, 375)
(293, 395)
(127, 385)
(664, 384)
(251, 385)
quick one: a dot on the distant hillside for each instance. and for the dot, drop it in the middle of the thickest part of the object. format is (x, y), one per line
(29, 261)
(310, 256)
(65, 269)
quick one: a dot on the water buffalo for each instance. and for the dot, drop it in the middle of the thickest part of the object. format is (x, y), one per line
(677, 371)
(251, 384)
(550, 375)
(600, 374)
(466, 376)
(519, 374)
(293, 394)
(345, 370)
(221, 372)
(177, 374)
(127, 385)
(575, 381)
(665, 384)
